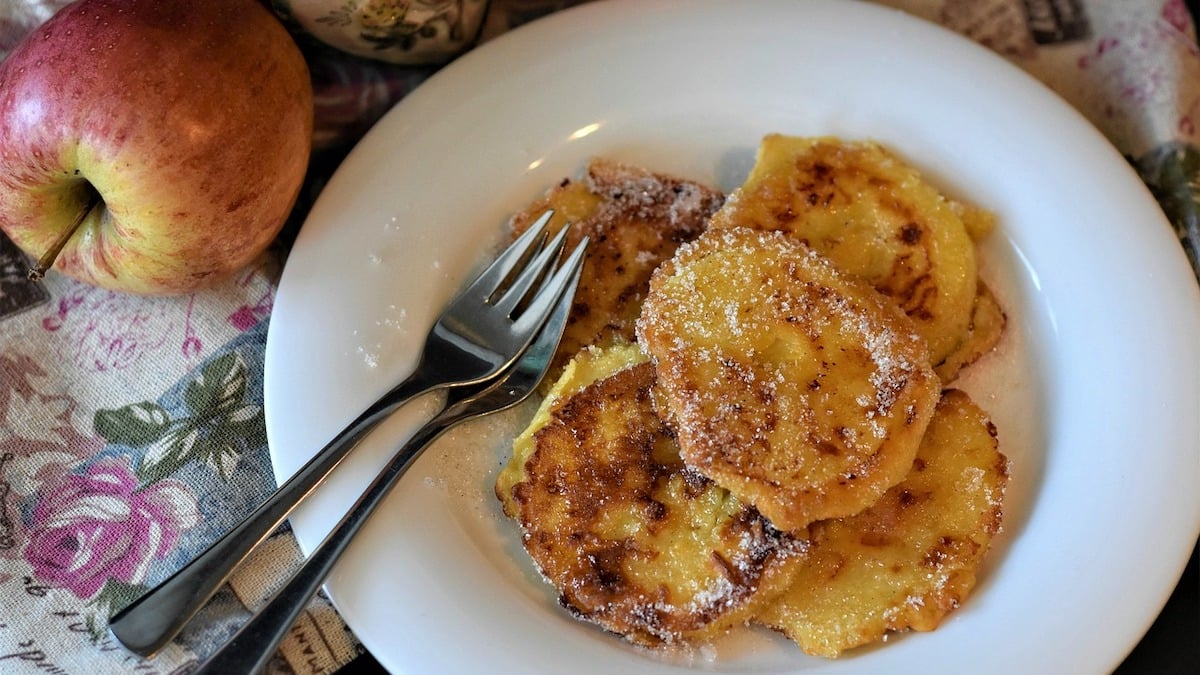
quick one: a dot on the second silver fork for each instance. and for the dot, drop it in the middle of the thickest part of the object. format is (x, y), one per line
(477, 337)
(249, 650)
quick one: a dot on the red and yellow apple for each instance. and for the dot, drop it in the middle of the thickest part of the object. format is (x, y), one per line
(152, 146)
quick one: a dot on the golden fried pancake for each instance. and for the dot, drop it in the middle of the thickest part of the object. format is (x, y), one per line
(979, 222)
(910, 559)
(802, 390)
(987, 325)
(589, 365)
(876, 218)
(633, 540)
(635, 220)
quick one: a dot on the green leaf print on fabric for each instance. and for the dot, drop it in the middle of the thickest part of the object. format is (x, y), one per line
(136, 425)
(221, 384)
(1172, 171)
(219, 425)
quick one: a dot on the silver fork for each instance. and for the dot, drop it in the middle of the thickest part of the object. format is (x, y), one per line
(483, 330)
(250, 649)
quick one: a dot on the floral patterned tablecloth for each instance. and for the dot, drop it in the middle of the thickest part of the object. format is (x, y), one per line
(131, 428)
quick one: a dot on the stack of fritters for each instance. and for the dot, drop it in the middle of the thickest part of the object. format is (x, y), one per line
(632, 539)
(909, 559)
(800, 389)
(776, 446)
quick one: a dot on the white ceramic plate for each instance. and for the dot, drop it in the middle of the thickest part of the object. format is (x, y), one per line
(1094, 390)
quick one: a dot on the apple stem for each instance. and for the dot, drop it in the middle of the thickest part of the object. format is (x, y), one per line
(47, 260)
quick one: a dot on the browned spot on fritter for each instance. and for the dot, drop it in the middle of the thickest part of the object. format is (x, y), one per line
(612, 523)
(635, 220)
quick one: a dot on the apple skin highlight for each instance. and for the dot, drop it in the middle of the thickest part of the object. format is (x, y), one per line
(191, 122)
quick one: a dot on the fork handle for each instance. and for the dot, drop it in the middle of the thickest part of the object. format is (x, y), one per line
(151, 621)
(249, 650)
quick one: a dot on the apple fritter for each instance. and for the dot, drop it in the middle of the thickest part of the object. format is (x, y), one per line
(634, 541)
(635, 219)
(910, 559)
(876, 218)
(987, 326)
(802, 390)
(589, 365)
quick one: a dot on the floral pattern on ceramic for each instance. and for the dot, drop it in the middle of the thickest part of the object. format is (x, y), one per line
(397, 31)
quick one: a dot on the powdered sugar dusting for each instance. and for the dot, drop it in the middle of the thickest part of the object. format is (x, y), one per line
(783, 378)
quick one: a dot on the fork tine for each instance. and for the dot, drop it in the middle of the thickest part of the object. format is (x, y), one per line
(258, 639)
(468, 346)
(542, 304)
(532, 272)
(490, 279)
(542, 350)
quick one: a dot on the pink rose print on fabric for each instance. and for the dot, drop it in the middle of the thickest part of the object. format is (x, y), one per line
(38, 443)
(93, 527)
